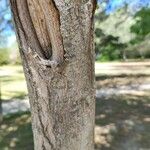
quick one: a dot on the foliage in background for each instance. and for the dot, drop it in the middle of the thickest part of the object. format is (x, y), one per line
(122, 35)
(10, 55)
(140, 45)
(142, 26)
(112, 35)
(108, 47)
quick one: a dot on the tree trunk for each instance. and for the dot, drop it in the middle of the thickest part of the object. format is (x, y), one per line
(124, 56)
(56, 46)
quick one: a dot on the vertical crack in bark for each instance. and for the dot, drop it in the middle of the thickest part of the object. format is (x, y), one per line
(94, 6)
(39, 23)
(41, 51)
(52, 17)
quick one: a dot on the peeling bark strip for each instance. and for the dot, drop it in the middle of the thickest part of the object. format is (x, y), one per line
(62, 96)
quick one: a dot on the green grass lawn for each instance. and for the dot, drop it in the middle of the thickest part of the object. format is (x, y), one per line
(13, 85)
(16, 133)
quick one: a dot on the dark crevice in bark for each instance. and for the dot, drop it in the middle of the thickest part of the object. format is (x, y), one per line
(47, 51)
(62, 45)
(94, 7)
(36, 37)
(43, 146)
(91, 57)
(40, 51)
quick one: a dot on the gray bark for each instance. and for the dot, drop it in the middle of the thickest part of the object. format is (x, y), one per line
(56, 46)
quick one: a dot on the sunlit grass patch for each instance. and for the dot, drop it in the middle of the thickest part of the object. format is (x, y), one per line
(14, 89)
(13, 83)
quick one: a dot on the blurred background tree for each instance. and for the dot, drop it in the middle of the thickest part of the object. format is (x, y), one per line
(140, 44)
(122, 30)
(142, 25)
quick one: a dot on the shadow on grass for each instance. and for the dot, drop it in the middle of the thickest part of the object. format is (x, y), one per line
(16, 133)
(19, 95)
(123, 75)
(115, 81)
(122, 123)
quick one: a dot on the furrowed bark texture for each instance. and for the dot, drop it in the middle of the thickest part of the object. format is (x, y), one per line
(56, 46)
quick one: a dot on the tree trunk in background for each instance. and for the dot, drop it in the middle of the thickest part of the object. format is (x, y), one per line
(56, 46)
